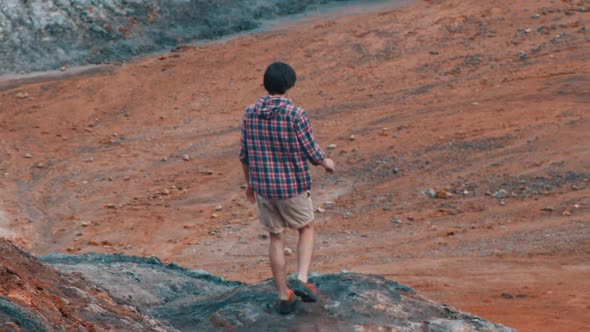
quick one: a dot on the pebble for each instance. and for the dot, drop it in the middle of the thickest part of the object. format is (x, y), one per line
(28, 155)
(396, 221)
(443, 194)
(352, 137)
(263, 236)
(22, 95)
(566, 213)
(218, 208)
(536, 16)
(111, 206)
(431, 193)
(214, 216)
(395, 170)
(329, 205)
(502, 203)
(63, 68)
(288, 251)
(40, 165)
(320, 210)
(85, 223)
(207, 172)
(522, 55)
(186, 157)
(500, 193)
(465, 192)
(331, 146)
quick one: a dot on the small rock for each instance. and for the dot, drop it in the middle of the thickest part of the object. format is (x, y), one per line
(218, 208)
(395, 170)
(288, 251)
(536, 16)
(111, 206)
(443, 194)
(263, 236)
(566, 213)
(352, 138)
(214, 216)
(450, 233)
(502, 203)
(329, 205)
(22, 95)
(40, 165)
(320, 210)
(522, 55)
(63, 68)
(431, 193)
(547, 209)
(396, 221)
(165, 192)
(28, 155)
(500, 193)
(85, 223)
(331, 146)
(186, 157)
(244, 186)
(507, 296)
(207, 172)
(465, 192)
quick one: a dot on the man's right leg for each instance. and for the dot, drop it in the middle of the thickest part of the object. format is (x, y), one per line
(277, 263)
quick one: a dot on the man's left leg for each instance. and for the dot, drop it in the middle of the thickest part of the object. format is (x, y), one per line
(277, 263)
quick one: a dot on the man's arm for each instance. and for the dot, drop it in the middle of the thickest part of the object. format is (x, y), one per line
(311, 148)
(244, 161)
(249, 191)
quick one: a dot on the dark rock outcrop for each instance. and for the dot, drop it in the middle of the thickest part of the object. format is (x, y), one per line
(38, 35)
(100, 292)
(196, 300)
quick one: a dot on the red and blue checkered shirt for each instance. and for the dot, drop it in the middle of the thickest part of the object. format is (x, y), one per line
(276, 144)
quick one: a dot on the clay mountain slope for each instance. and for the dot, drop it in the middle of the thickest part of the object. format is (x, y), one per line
(484, 102)
(35, 297)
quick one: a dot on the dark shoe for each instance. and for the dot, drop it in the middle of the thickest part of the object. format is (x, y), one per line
(288, 306)
(306, 291)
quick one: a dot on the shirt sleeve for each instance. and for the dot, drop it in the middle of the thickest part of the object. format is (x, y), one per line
(310, 147)
(243, 143)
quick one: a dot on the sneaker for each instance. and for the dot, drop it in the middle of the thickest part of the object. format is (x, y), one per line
(306, 291)
(288, 306)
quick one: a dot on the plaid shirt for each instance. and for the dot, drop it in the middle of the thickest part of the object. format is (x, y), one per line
(276, 144)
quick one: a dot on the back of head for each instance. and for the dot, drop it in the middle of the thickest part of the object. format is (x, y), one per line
(278, 78)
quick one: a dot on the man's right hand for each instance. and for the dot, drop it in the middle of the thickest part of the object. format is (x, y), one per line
(328, 165)
(250, 196)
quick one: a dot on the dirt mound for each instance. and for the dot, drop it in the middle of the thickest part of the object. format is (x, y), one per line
(36, 297)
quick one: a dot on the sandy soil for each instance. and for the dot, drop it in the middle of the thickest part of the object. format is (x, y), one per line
(489, 101)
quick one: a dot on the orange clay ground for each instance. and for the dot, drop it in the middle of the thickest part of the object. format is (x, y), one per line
(474, 99)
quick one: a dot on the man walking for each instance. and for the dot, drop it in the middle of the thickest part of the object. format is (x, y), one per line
(276, 145)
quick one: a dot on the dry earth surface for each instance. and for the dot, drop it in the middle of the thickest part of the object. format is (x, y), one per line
(485, 102)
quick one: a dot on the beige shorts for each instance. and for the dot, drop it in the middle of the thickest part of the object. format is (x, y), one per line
(278, 214)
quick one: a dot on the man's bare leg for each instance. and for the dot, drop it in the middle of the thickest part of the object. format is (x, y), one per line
(277, 263)
(304, 251)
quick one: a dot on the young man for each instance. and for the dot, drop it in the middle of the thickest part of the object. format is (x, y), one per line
(276, 144)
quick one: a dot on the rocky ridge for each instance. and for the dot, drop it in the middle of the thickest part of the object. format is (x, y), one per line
(98, 292)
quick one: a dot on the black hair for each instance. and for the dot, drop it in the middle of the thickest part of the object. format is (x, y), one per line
(278, 78)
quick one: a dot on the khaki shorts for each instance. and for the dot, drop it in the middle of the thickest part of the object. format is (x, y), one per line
(278, 214)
